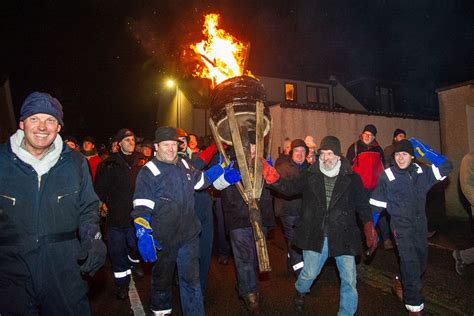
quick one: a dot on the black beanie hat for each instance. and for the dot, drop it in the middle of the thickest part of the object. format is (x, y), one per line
(88, 139)
(40, 102)
(299, 143)
(122, 133)
(331, 143)
(399, 131)
(166, 133)
(403, 145)
(370, 128)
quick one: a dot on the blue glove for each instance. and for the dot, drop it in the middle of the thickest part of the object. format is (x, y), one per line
(215, 171)
(375, 217)
(228, 177)
(147, 245)
(424, 150)
(270, 161)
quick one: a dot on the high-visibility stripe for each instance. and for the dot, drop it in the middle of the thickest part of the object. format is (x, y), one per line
(143, 202)
(415, 308)
(378, 203)
(123, 274)
(185, 163)
(133, 260)
(389, 174)
(298, 266)
(220, 183)
(437, 174)
(419, 169)
(163, 312)
(153, 168)
(200, 183)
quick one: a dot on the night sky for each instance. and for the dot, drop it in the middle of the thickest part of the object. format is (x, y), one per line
(106, 60)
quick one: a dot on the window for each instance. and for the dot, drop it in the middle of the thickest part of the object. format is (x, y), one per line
(317, 94)
(290, 92)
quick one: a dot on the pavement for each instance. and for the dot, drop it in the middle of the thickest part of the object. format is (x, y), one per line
(446, 292)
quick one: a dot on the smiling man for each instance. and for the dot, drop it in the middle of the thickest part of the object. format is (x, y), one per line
(46, 195)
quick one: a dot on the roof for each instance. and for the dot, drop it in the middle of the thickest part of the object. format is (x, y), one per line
(454, 86)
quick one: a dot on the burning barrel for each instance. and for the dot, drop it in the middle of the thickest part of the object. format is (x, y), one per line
(237, 113)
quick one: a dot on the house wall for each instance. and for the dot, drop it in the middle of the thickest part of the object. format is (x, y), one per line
(457, 129)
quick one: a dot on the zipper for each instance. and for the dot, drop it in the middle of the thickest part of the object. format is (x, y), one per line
(39, 183)
(10, 198)
(67, 194)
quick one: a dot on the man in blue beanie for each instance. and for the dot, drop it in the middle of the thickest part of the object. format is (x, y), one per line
(49, 232)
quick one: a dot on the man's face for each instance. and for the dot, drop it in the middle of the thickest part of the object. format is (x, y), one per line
(167, 150)
(403, 159)
(299, 155)
(114, 147)
(184, 143)
(127, 145)
(40, 131)
(192, 142)
(367, 137)
(399, 137)
(71, 145)
(328, 159)
(286, 147)
(87, 146)
(147, 151)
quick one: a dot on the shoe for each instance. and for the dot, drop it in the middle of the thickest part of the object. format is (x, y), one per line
(430, 234)
(224, 260)
(251, 302)
(388, 244)
(138, 271)
(397, 288)
(460, 265)
(298, 301)
(122, 292)
(415, 313)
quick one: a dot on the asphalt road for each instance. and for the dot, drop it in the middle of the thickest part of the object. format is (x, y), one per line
(446, 293)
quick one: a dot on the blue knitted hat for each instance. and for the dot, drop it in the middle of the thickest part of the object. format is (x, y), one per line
(40, 102)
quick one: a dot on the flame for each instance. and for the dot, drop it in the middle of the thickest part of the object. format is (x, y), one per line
(222, 54)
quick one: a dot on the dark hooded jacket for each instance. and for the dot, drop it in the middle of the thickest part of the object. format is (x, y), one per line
(348, 202)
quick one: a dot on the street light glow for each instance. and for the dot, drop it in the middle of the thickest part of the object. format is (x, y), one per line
(170, 83)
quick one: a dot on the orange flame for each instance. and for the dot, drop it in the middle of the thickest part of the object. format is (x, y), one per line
(222, 54)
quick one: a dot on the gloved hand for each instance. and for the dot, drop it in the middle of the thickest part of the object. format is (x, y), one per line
(370, 236)
(229, 177)
(424, 150)
(147, 245)
(92, 255)
(270, 174)
(375, 217)
(215, 171)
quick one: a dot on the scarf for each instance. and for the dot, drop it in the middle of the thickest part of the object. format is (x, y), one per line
(330, 173)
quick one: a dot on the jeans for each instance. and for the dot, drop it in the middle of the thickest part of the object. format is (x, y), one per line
(314, 262)
(245, 258)
(123, 252)
(295, 255)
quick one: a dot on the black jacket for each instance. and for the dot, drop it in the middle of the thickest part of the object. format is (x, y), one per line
(348, 201)
(115, 185)
(288, 205)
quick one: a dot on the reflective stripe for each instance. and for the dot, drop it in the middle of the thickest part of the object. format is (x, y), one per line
(200, 183)
(163, 312)
(419, 170)
(378, 203)
(389, 174)
(437, 174)
(220, 183)
(414, 308)
(153, 168)
(123, 274)
(298, 266)
(143, 202)
(133, 260)
(185, 163)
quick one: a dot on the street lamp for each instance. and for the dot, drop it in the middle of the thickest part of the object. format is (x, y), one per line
(170, 83)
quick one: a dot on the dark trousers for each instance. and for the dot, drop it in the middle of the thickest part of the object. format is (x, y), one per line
(413, 250)
(245, 258)
(384, 225)
(222, 243)
(123, 252)
(203, 206)
(186, 258)
(295, 255)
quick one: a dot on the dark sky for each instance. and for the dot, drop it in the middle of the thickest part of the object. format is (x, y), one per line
(105, 60)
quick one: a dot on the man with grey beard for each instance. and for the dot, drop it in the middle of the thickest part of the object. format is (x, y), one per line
(332, 196)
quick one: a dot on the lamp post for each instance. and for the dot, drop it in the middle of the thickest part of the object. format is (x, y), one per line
(170, 84)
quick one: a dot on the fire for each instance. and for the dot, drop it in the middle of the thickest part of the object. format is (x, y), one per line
(222, 54)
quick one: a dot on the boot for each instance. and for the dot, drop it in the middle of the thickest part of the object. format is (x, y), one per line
(122, 292)
(298, 301)
(388, 244)
(415, 313)
(251, 302)
(397, 288)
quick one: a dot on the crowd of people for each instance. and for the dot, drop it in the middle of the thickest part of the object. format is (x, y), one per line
(159, 201)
